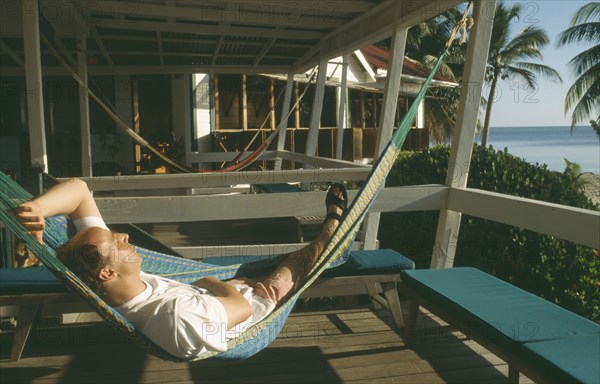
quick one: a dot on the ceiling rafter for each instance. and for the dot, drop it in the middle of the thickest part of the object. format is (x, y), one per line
(217, 49)
(199, 29)
(250, 13)
(263, 52)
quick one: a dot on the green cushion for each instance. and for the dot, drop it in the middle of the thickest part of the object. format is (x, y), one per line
(15, 281)
(372, 262)
(495, 310)
(574, 359)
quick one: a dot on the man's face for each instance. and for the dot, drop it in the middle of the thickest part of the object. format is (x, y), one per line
(120, 255)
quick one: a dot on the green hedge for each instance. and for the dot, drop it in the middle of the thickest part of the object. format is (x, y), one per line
(560, 271)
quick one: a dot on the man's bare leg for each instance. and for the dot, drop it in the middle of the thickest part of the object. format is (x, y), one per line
(297, 264)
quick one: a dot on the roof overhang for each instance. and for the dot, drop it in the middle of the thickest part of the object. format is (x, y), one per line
(187, 36)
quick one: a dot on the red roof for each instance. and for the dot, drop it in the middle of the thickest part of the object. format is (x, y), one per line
(379, 57)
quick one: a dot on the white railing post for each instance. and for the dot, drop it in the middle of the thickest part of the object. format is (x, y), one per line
(283, 123)
(342, 109)
(33, 83)
(386, 121)
(317, 108)
(444, 248)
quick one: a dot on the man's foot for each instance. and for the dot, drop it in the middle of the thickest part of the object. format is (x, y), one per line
(336, 203)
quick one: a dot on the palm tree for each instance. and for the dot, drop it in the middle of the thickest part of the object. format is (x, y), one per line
(584, 95)
(424, 44)
(508, 56)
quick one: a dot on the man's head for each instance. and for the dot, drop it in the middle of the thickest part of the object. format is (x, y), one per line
(100, 257)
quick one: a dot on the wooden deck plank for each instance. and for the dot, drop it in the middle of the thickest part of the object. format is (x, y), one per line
(333, 346)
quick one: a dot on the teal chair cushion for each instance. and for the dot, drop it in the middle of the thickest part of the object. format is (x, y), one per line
(574, 359)
(372, 262)
(359, 263)
(494, 309)
(16, 281)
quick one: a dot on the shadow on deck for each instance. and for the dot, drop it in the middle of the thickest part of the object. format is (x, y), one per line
(328, 346)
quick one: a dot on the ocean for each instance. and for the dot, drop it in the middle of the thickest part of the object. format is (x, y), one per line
(550, 145)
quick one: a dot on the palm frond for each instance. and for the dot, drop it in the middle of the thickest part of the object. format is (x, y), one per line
(587, 106)
(540, 69)
(583, 61)
(581, 85)
(588, 32)
(590, 11)
(526, 44)
(584, 26)
(521, 73)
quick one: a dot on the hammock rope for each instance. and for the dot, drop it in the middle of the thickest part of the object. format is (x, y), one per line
(260, 334)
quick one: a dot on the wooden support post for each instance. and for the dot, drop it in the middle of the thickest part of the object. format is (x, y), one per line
(363, 121)
(216, 101)
(136, 127)
(317, 108)
(342, 109)
(84, 107)
(33, 83)
(272, 104)
(297, 108)
(386, 121)
(283, 121)
(244, 105)
(464, 133)
(392, 88)
(25, 319)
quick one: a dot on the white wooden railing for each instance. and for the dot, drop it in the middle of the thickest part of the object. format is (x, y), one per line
(578, 225)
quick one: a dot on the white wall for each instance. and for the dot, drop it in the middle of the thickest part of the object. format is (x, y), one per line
(202, 125)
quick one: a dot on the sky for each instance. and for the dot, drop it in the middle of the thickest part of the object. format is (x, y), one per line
(516, 106)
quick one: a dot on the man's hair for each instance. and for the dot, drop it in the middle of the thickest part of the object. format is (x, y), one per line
(85, 260)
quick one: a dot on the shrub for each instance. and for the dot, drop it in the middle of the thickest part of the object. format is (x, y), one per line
(560, 271)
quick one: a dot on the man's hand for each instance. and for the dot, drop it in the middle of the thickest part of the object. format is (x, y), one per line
(30, 215)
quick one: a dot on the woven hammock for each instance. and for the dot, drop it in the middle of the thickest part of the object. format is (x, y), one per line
(256, 337)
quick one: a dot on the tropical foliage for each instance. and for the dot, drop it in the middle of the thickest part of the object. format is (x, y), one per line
(560, 271)
(583, 98)
(510, 56)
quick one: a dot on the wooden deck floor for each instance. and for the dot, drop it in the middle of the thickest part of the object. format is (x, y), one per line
(327, 346)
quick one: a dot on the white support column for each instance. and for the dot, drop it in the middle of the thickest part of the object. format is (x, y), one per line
(386, 121)
(420, 119)
(444, 249)
(33, 83)
(283, 123)
(342, 109)
(392, 88)
(84, 107)
(201, 129)
(317, 108)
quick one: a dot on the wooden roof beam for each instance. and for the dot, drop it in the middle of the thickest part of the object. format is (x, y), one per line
(249, 13)
(373, 26)
(215, 54)
(263, 52)
(201, 29)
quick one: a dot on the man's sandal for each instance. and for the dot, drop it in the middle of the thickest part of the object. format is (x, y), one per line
(333, 199)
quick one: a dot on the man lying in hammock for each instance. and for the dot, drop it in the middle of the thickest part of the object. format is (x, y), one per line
(185, 320)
